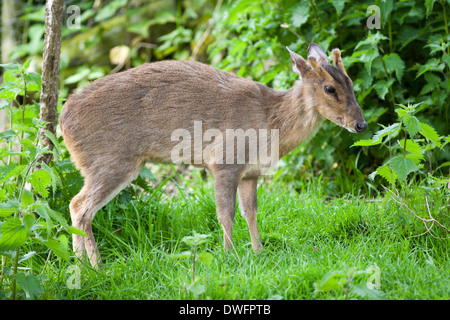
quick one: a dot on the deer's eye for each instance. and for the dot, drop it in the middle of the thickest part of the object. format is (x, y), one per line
(330, 89)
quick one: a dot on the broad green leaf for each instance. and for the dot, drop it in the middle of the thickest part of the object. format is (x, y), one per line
(10, 66)
(78, 76)
(60, 248)
(27, 197)
(401, 112)
(205, 257)
(402, 167)
(9, 135)
(74, 230)
(196, 239)
(42, 208)
(331, 281)
(55, 180)
(412, 124)
(386, 7)
(9, 207)
(197, 288)
(414, 148)
(109, 10)
(299, 14)
(12, 234)
(40, 180)
(431, 65)
(382, 87)
(392, 129)
(394, 64)
(428, 132)
(30, 284)
(28, 221)
(147, 173)
(34, 81)
(338, 5)
(429, 5)
(366, 143)
(386, 173)
(364, 292)
(181, 255)
(446, 58)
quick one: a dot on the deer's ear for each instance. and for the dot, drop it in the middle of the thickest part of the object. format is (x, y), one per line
(337, 60)
(316, 52)
(299, 65)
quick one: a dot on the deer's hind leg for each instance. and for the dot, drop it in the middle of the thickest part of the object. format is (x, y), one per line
(247, 193)
(101, 185)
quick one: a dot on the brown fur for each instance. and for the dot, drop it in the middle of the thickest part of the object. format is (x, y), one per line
(120, 121)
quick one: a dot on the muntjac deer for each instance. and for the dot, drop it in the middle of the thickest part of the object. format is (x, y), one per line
(121, 121)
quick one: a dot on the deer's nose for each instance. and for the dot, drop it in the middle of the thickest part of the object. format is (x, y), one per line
(360, 126)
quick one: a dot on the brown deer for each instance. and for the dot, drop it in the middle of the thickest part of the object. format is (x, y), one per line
(121, 121)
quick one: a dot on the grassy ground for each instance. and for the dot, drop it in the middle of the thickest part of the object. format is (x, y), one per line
(315, 247)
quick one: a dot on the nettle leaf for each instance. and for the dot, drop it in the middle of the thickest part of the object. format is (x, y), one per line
(386, 7)
(205, 257)
(40, 180)
(367, 57)
(429, 5)
(299, 14)
(181, 255)
(402, 167)
(365, 143)
(412, 124)
(382, 87)
(9, 207)
(13, 234)
(431, 65)
(60, 247)
(34, 81)
(385, 172)
(196, 239)
(196, 288)
(392, 129)
(338, 5)
(446, 58)
(43, 210)
(74, 230)
(30, 284)
(394, 64)
(331, 281)
(428, 132)
(414, 148)
(9, 135)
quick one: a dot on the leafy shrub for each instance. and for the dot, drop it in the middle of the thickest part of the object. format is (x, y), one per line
(406, 61)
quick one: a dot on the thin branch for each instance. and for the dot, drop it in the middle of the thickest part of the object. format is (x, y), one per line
(425, 221)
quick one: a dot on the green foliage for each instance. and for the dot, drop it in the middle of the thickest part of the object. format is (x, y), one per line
(26, 217)
(196, 286)
(404, 62)
(406, 155)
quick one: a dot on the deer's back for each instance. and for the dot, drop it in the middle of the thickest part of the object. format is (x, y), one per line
(137, 110)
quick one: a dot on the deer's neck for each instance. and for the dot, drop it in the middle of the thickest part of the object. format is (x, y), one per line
(295, 116)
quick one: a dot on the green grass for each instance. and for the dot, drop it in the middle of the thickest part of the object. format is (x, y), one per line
(306, 237)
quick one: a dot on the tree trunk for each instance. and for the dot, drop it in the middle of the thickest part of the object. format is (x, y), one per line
(50, 72)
